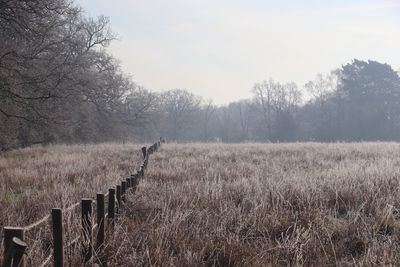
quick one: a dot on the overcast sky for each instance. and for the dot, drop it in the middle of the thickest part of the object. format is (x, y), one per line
(219, 48)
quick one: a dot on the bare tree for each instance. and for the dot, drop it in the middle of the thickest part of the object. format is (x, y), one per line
(276, 103)
(243, 108)
(179, 108)
(208, 111)
(263, 100)
(320, 88)
(52, 63)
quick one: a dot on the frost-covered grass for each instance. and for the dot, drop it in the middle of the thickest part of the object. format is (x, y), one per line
(302, 204)
(267, 205)
(34, 180)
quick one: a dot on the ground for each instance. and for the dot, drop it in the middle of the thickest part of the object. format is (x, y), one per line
(302, 204)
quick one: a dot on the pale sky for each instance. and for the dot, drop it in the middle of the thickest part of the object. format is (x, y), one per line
(219, 48)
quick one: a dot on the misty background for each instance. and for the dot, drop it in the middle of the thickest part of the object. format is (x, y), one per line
(231, 72)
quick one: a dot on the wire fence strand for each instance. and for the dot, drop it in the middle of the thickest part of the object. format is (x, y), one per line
(35, 224)
(46, 218)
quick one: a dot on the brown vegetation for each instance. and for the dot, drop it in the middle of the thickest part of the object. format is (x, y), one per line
(267, 205)
(36, 179)
(225, 205)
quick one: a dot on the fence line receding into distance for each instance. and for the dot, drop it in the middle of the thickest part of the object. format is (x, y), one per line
(14, 241)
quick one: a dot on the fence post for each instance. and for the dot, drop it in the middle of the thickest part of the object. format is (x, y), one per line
(133, 182)
(111, 205)
(123, 191)
(58, 250)
(100, 220)
(128, 183)
(118, 198)
(16, 252)
(87, 229)
(142, 171)
(144, 151)
(9, 234)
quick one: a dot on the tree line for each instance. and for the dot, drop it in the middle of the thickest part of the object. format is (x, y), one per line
(360, 101)
(58, 83)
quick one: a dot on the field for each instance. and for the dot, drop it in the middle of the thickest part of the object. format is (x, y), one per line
(224, 205)
(36, 179)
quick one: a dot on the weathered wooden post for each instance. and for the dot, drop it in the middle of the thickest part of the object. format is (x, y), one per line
(16, 252)
(100, 220)
(87, 244)
(133, 182)
(19, 247)
(58, 240)
(9, 246)
(144, 151)
(123, 187)
(123, 191)
(142, 168)
(111, 205)
(118, 198)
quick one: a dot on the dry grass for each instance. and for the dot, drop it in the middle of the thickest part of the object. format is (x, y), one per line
(34, 180)
(266, 205)
(227, 205)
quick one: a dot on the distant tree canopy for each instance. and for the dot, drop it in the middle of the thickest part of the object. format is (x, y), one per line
(364, 105)
(369, 93)
(358, 102)
(59, 84)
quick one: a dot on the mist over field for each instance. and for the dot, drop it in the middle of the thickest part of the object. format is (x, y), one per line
(201, 133)
(61, 83)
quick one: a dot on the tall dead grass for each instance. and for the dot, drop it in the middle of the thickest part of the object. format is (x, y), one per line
(34, 180)
(226, 205)
(266, 205)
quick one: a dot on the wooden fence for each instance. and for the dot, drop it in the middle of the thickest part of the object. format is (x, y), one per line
(15, 246)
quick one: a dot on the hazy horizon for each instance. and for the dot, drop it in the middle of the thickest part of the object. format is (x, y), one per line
(219, 50)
